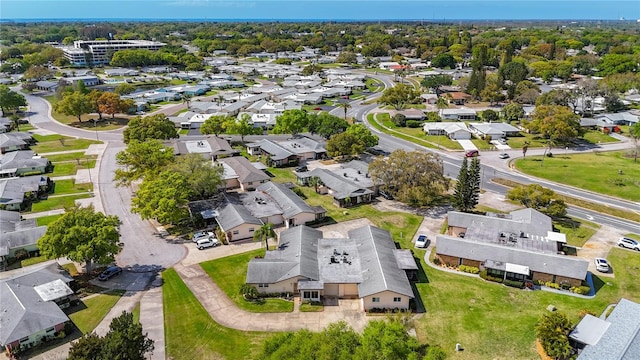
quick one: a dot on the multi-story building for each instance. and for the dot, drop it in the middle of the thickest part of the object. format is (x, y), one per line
(96, 51)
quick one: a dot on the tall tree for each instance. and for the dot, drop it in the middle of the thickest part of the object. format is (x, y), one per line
(74, 104)
(264, 233)
(242, 127)
(291, 122)
(163, 197)
(512, 112)
(474, 184)
(329, 125)
(554, 122)
(140, 159)
(204, 180)
(216, 124)
(345, 106)
(344, 144)
(10, 100)
(461, 189)
(81, 234)
(150, 127)
(540, 198)
(93, 98)
(634, 132)
(111, 104)
(363, 134)
(434, 82)
(399, 96)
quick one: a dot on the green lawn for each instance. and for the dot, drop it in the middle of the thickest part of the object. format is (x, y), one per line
(578, 231)
(482, 144)
(46, 220)
(597, 137)
(598, 172)
(64, 187)
(517, 142)
(136, 313)
(54, 143)
(107, 123)
(33, 260)
(73, 156)
(190, 332)
(633, 236)
(415, 135)
(493, 321)
(230, 273)
(307, 307)
(71, 167)
(96, 308)
(53, 203)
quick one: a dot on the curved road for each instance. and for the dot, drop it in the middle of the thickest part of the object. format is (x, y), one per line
(142, 249)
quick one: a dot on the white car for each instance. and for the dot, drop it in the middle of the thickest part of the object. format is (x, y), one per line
(629, 243)
(421, 242)
(207, 243)
(503, 156)
(602, 265)
(202, 235)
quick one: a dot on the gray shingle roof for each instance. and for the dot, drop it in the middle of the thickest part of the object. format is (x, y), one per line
(380, 271)
(290, 203)
(342, 187)
(244, 169)
(16, 160)
(275, 151)
(621, 341)
(527, 220)
(12, 190)
(548, 263)
(232, 215)
(24, 312)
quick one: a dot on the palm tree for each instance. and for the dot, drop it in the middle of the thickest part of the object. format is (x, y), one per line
(345, 106)
(442, 103)
(186, 99)
(264, 233)
(315, 182)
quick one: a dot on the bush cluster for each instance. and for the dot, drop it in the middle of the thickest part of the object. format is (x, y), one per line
(484, 275)
(387, 310)
(514, 283)
(414, 123)
(469, 269)
(582, 290)
(552, 285)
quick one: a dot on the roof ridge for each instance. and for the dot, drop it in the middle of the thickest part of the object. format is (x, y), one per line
(377, 254)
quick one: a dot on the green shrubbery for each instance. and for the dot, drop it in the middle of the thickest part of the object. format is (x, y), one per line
(414, 123)
(514, 283)
(483, 274)
(552, 285)
(469, 269)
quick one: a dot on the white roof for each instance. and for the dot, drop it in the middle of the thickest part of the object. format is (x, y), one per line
(557, 237)
(517, 269)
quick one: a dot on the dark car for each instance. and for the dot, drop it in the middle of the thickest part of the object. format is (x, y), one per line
(109, 273)
(302, 168)
(386, 195)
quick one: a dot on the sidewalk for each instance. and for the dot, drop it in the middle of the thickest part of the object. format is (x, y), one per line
(152, 320)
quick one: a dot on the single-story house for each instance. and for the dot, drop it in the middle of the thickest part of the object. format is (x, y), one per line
(5, 124)
(15, 141)
(236, 221)
(458, 97)
(597, 123)
(496, 130)
(277, 204)
(517, 246)
(387, 65)
(240, 173)
(457, 114)
(14, 192)
(365, 266)
(18, 163)
(410, 114)
(88, 80)
(454, 131)
(32, 305)
(615, 337)
(18, 234)
(49, 86)
(121, 72)
(210, 147)
(621, 118)
(288, 152)
(265, 121)
(347, 187)
(430, 99)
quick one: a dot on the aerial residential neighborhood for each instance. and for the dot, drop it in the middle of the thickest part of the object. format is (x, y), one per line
(319, 189)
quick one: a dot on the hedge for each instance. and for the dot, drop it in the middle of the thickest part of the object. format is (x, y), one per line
(469, 269)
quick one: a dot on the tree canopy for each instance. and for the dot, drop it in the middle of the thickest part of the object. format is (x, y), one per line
(204, 179)
(555, 122)
(326, 125)
(467, 188)
(74, 104)
(216, 124)
(163, 197)
(83, 235)
(540, 198)
(291, 122)
(399, 96)
(140, 159)
(150, 127)
(416, 178)
(10, 100)
(553, 330)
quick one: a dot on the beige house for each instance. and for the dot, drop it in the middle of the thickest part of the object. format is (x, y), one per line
(237, 222)
(241, 173)
(365, 266)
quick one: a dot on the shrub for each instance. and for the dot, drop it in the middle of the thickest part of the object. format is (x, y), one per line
(437, 261)
(414, 123)
(299, 192)
(552, 285)
(514, 283)
(583, 290)
(469, 269)
(538, 282)
(435, 353)
(249, 292)
(399, 120)
(582, 313)
(483, 274)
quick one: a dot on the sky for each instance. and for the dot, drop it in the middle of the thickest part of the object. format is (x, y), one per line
(321, 9)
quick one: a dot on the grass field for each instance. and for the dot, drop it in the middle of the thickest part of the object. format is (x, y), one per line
(230, 273)
(96, 308)
(54, 203)
(190, 332)
(71, 167)
(89, 121)
(493, 321)
(73, 156)
(598, 172)
(54, 143)
(65, 187)
(578, 231)
(46, 220)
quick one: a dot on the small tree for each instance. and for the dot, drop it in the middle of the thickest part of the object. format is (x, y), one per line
(264, 233)
(634, 132)
(345, 107)
(553, 332)
(315, 182)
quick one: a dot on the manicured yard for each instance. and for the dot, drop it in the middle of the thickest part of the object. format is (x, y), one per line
(53, 203)
(311, 307)
(96, 308)
(230, 273)
(53, 143)
(494, 321)
(107, 123)
(73, 156)
(517, 142)
(578, 231)
(597, 137)
(71, 167)
(633, 236)
(190, 332)
(46, 220)
(415, 135)
(64, 187)
(607, 173)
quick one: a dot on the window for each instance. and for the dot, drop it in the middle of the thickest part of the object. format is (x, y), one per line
(236, 232)
(263, 285)
(50, 329)
(250, 183)
(397, 299)
(251, 230)
(375, 299)
(24, 339)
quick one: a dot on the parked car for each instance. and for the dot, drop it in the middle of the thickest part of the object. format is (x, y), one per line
(202, 235)
(302, 168)
(629, 243)
(602, 265)
(385, 195)
(109, 273)
(421, 242)
(472, 153)
(207, 243)
(503, 141)
(503, 156)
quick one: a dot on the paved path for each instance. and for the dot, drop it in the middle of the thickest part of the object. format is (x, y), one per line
(227, 314)
(152, 320)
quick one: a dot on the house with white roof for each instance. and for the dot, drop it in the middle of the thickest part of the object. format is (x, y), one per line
(496, 130)
(462, 114)
(454, 131)
(366, 265)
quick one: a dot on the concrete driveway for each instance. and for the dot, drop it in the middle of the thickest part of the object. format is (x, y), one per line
(599, 245)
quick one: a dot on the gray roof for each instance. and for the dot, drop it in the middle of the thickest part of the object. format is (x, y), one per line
(15, 160)
(207, 146)
(342, 186)
(621, 340)
(589, 330)
(244, 169)
(527, 220)
(290, 203)
(13, 139)
(12, 190)
(492, 128)
(380, 271)
(405, 259)
(21, 238)
(232, 215)
(275, 151)
(544, 262)
(24, 311)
